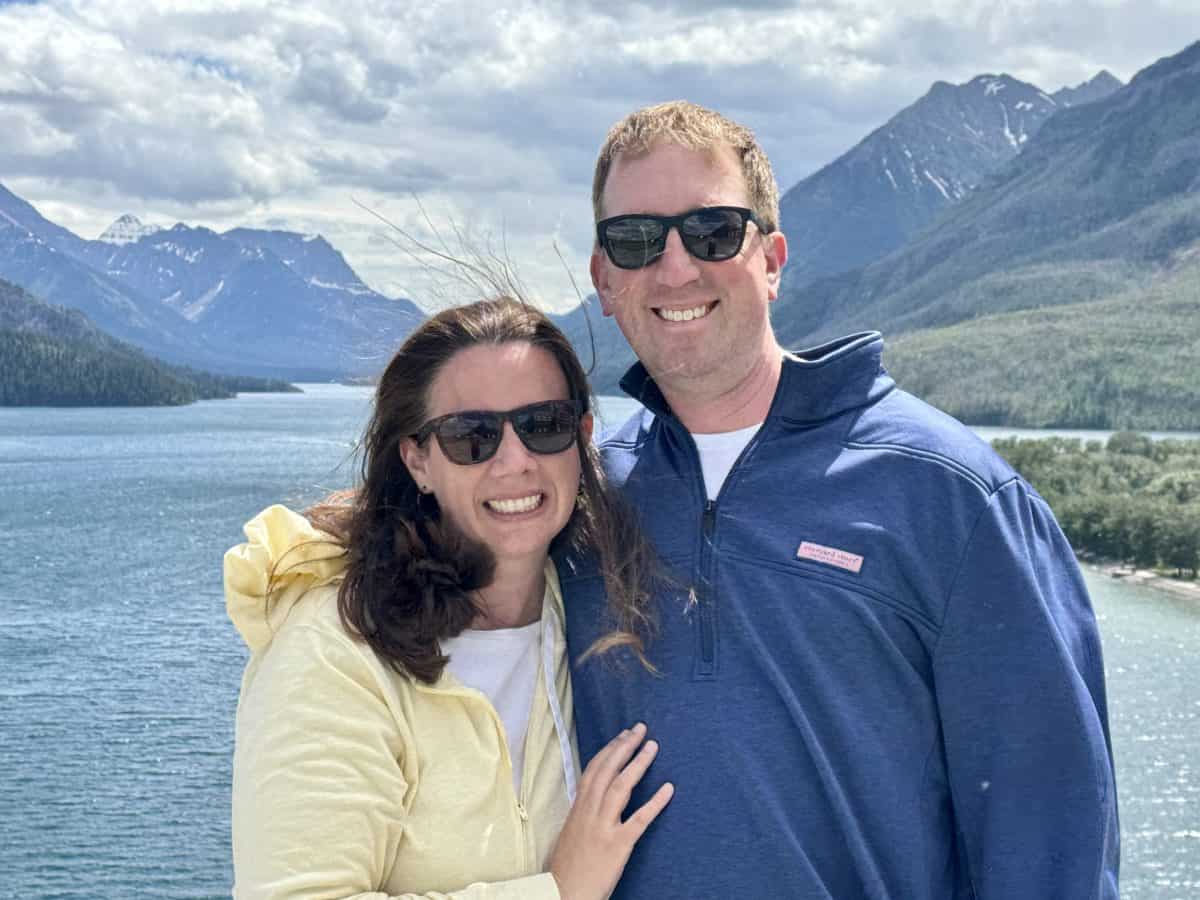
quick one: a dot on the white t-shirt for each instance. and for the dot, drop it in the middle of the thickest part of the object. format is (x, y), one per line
(503, 664)
(718, 453)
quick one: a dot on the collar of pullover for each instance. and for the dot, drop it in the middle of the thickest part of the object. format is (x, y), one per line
(815, 384)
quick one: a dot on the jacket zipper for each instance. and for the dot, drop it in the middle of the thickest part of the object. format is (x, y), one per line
(705, 584)
(520, 798)
(707, 596)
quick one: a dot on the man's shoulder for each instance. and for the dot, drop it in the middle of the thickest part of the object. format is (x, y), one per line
(629, 433)
(903, 424)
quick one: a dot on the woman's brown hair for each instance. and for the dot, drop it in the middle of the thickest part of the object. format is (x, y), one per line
(410, 574)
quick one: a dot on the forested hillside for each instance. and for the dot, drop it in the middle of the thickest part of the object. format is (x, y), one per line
(1130, 362)
(51, 356)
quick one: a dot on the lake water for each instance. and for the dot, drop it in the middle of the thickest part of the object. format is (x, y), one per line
(119, 671)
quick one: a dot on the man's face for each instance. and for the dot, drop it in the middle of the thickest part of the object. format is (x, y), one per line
(728, 331)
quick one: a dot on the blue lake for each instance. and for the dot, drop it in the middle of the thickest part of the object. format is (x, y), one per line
(119, 671)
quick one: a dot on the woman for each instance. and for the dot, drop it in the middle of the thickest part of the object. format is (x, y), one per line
(405, 726)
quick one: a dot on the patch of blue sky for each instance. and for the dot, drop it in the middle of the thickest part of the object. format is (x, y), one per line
(209, 64)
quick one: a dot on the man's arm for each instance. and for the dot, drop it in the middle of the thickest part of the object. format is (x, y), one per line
(1020, 685)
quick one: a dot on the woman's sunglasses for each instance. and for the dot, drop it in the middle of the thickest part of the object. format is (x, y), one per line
(711, 233)
(474, 436)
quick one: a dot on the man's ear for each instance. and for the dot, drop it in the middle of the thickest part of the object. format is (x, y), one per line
(416, 460)
(775, 250)
(600, 279)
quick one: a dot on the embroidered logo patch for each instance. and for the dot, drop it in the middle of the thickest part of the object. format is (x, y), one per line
(832, 556)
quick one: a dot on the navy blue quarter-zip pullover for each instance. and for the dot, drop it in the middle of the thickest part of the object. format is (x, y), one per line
(879, 670)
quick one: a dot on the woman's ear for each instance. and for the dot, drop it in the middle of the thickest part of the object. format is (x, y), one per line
(586, 424)
(416, 460)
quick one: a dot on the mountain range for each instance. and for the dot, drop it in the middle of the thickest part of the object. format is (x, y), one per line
(924, 159)
(1103, 195)
(248, 301)
(972, 227)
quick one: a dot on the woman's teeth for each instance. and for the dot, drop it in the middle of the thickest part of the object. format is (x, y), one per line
(518, 505)
(684, 315)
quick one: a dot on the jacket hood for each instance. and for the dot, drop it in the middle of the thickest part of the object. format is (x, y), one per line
(284, 545)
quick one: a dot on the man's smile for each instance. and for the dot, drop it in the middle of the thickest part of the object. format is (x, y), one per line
(685, 315)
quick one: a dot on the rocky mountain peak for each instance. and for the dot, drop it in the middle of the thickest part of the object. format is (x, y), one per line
(1097, 87)
(127, 229)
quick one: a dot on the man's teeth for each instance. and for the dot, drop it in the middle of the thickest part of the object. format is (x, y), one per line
(684, 315)
(518, 505)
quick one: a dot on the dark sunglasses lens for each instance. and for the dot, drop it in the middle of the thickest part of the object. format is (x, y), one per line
(469, 438)
(713, 234)
(635, 241)
(546, 427)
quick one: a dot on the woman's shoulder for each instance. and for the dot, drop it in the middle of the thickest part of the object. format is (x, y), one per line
(286, 571)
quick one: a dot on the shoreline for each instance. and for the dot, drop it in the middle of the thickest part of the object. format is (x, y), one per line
(1189, 589)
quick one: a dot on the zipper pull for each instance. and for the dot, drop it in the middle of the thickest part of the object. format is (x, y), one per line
(709, 519)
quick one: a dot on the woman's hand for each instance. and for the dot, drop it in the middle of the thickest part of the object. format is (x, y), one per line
(595, 844)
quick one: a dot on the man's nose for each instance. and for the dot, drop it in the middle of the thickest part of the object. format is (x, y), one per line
(676, 267)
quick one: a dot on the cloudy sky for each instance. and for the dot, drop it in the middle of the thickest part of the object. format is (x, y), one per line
(488, 116)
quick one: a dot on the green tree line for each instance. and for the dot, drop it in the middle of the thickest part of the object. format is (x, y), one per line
(41, 370)
(1130, 499)
(38, 369)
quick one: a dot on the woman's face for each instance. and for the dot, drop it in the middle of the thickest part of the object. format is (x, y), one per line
(517, 501)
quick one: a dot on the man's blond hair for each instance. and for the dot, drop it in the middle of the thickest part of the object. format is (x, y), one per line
(694, 128)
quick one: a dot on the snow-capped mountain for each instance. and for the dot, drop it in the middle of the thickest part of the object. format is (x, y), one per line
(928, 156)
(47, 260)
(228, 302)
(127, 230)
(308, 255)
(1102, 204)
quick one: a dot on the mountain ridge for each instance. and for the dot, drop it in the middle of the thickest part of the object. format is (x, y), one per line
(227, 302)
(1109, 184)
(901, 176)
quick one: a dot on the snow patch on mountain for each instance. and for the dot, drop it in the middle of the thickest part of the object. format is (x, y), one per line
(1008, 130)
(196, 308)
(939, 184)
(356, 289)
(182, 252)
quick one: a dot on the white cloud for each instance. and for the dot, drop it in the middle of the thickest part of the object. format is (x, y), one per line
(227, 112)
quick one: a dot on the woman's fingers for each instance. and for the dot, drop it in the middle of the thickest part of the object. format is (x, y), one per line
(606, 764)
(635, 826)
(595, 843)
(616, 798)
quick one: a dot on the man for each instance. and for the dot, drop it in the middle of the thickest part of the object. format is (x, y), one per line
(878, 670)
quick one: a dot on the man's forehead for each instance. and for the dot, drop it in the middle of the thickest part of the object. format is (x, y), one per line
(715, 174)
(714, 154)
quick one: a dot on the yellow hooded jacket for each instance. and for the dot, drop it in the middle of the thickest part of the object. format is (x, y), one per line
(351, 780)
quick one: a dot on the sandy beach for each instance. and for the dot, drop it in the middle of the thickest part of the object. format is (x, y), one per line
(1180, 587)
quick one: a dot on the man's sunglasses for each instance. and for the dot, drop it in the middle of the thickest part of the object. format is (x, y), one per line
(474, 436)
(711, 233)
